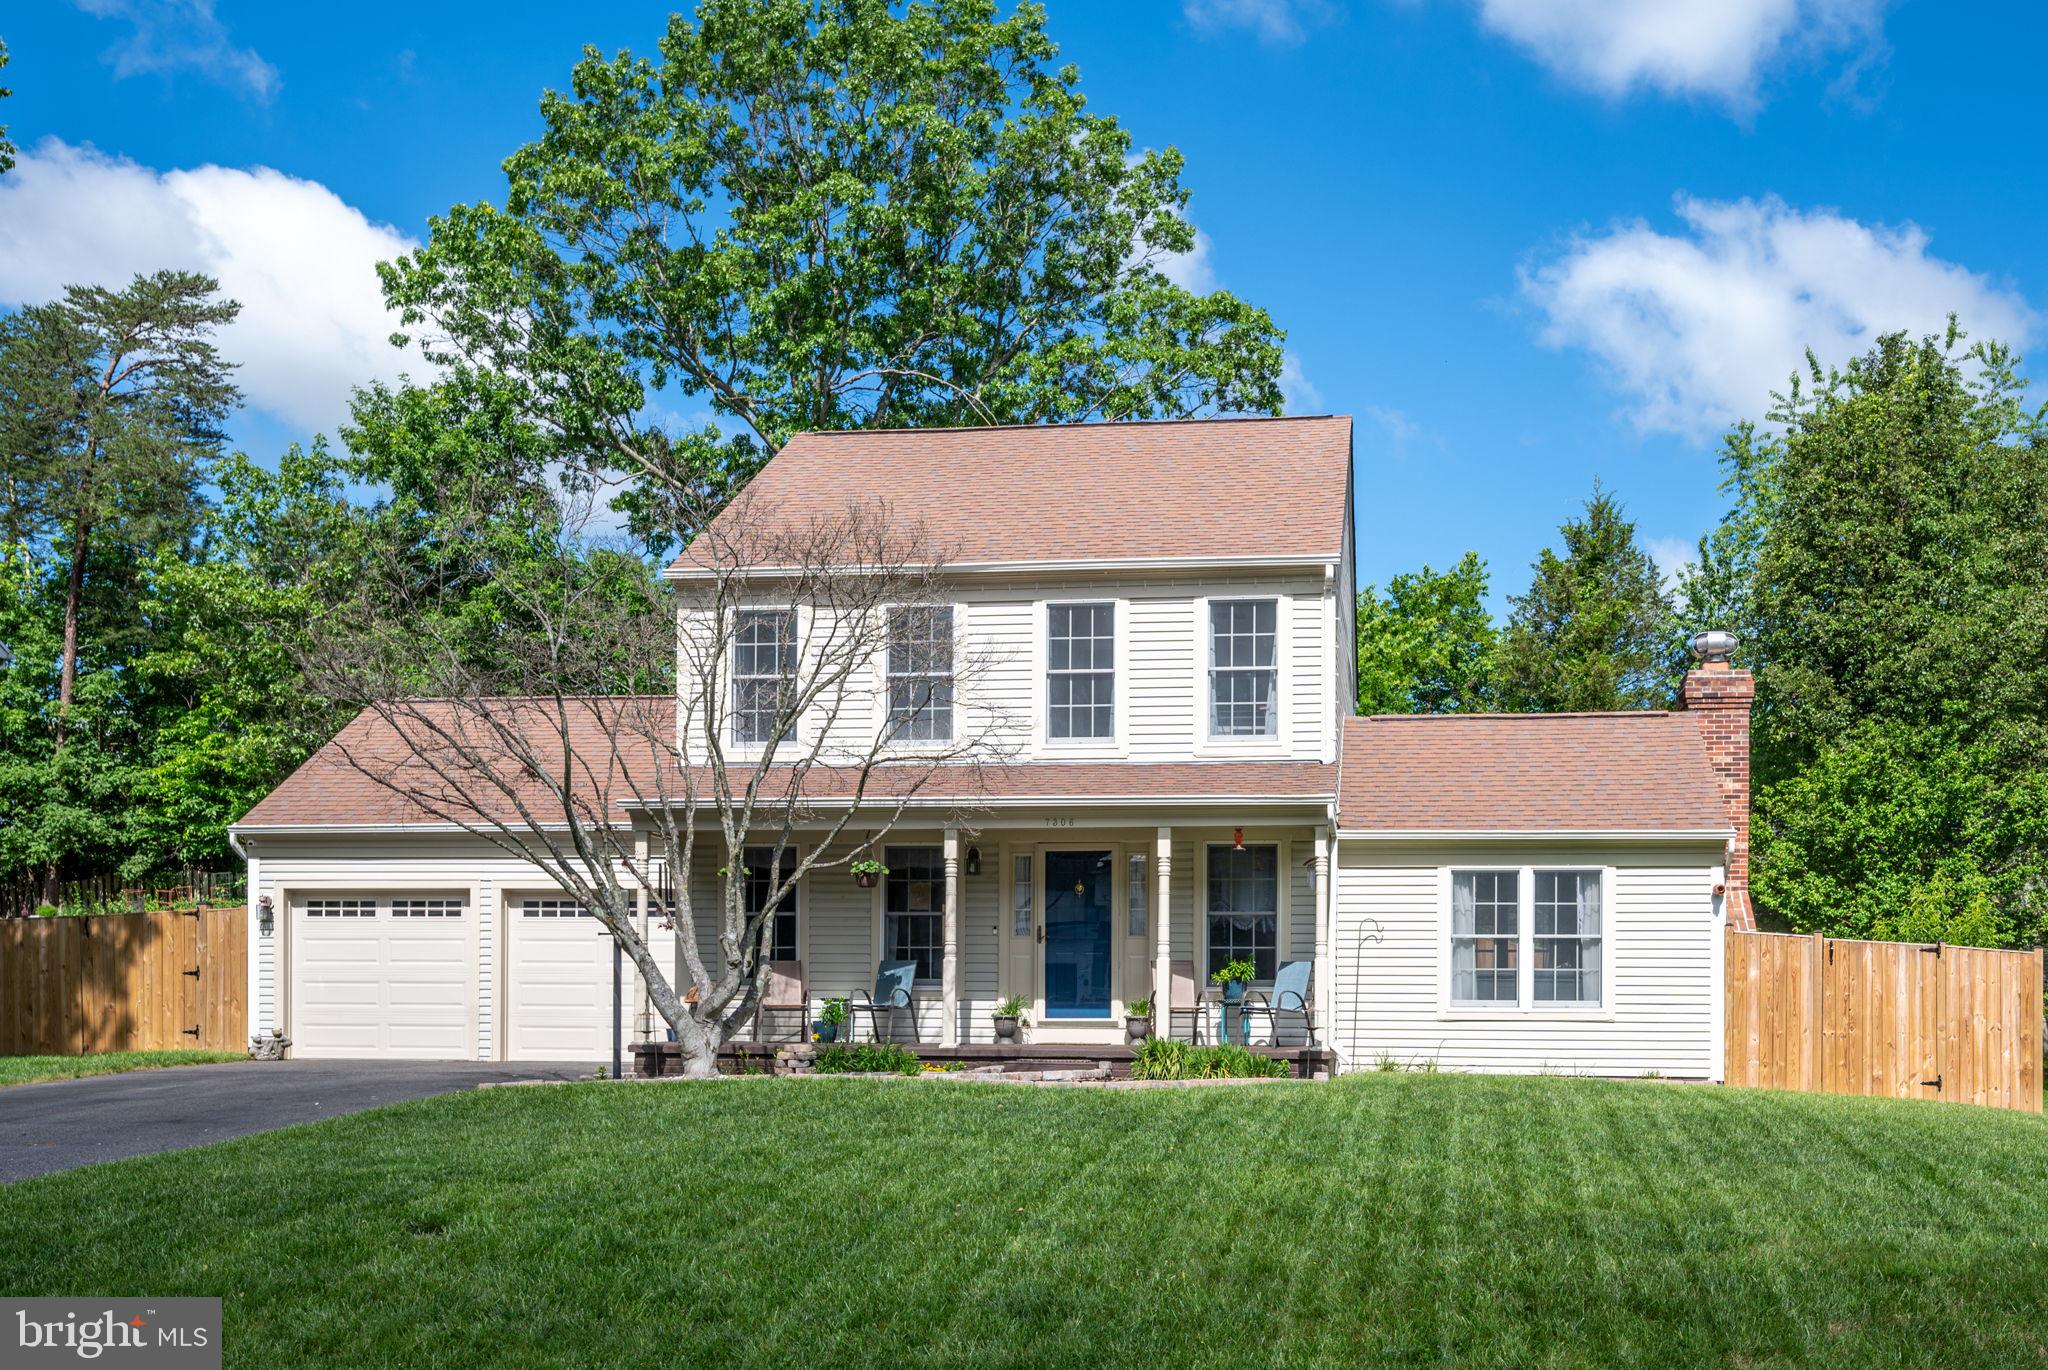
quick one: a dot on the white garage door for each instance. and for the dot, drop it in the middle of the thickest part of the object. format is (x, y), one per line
(384, 975)
(560, 1004)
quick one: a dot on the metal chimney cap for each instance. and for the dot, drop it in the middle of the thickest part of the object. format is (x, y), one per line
(1715, 645)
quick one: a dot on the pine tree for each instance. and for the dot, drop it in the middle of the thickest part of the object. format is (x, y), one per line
(1595, 629)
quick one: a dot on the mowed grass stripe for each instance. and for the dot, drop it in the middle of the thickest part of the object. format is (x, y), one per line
(1405, 1219)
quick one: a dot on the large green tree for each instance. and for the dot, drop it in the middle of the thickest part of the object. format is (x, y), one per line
(1428, 645)
(806, 214)
(1890, 577)
(230, 709)
(1594, 630)
(111, 403)
(1904, 572)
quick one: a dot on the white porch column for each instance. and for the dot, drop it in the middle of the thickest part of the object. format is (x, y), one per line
(1324, 990)
(949, 995)
(1162, 935)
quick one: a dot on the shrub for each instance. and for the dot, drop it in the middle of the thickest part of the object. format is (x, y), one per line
(868, 1058)
(1160, 1058)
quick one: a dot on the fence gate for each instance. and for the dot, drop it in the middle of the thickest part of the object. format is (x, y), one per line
(1903, 1020)
(124, 982)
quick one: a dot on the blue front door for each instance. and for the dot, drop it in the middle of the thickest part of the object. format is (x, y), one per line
(1077, 890)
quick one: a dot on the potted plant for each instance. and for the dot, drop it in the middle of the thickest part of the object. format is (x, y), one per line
(1009, 1016)
(867, 872)
(1138, 1020)
(826, 1029)
(1234, 977)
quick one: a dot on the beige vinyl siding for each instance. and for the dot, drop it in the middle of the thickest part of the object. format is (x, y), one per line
(1161, 661)
(1660, 927)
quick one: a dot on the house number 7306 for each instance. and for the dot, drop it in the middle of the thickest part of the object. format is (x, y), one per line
(1059, 822)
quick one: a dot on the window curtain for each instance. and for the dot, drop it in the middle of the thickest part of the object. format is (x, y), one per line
(1590, 930)
(1464, 954)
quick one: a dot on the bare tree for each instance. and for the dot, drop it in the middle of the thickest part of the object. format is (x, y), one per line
(619, 733)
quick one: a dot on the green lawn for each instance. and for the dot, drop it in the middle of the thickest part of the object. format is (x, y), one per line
(28, 1070)
(1426, 1219)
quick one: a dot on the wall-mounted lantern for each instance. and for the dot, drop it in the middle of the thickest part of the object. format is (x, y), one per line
(266, 914)
(974, 860)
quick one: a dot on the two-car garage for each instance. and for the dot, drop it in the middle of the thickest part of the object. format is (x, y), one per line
(405, 975)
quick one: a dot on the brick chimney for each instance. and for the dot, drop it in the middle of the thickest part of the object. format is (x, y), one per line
(1719, 698)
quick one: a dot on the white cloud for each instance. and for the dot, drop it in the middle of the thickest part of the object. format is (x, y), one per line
(1698, 327)
(1672, 555)
(1296, 388)
(166, 35)
(1279, 22)
(1401, 430)
(300, 260)
(1190, 270)
(1715, 48)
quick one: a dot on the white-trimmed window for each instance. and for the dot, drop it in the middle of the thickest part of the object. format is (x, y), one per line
(1566, 955)
(341, 908)
(920, 671)
(1244, 674)
(552, 908)
(1528, 937)
(1244, 907)
(763, 671)
(914, 908)
(1080, 672)
(428, 908)
(782, 940)
(1486, 913)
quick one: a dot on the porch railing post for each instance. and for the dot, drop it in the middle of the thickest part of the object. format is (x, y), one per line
(949, 994)
(1322, 992)
(1162, 935)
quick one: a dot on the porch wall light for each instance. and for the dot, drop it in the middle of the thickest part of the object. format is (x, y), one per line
(1237, 840)
(974, 860)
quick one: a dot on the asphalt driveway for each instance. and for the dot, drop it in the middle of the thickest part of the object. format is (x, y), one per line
(68, 1123)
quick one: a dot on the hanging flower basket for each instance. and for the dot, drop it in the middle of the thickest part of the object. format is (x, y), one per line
(867, 874)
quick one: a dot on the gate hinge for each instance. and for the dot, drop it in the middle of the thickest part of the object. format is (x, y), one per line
(194, 972)
(191, 1032)
(1935, 1083)
(189, 913)
(1936, 949)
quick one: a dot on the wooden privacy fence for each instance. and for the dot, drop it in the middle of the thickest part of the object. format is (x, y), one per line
(1902, 1020)
(124, 982)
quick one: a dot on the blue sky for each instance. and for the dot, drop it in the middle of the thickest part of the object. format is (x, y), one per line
(1524, 242)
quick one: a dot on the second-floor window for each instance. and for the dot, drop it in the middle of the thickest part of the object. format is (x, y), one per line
(1243, 676)
(921, 673)
(763, 671)
(1080, 671)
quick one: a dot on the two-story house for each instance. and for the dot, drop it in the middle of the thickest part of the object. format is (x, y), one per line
(1167, 614)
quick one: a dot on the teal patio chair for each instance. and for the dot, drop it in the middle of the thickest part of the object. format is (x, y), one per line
(891, 996)
(1290, 995)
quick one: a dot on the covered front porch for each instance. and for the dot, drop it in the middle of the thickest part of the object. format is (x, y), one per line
(1080, 914)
